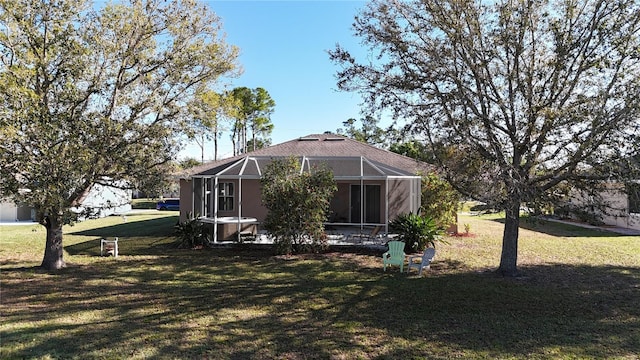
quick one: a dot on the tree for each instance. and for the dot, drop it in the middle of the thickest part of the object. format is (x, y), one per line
(188, 163)
(368, 133)
(158, 182)
(95, 95)
(529, 94)
(414, 149)
(259, 143)
(207, 111)
(298, 204)
(204, 123)
(260, 119)
(252, 114)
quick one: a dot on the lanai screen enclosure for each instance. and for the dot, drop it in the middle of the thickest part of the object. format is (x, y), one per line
(369, 193)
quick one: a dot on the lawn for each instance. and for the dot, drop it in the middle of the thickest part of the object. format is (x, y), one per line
(579, 297)
(144, 203)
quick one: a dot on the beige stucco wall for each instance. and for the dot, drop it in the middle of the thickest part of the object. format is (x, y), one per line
(186, 199)
(617, 207)
(251, 201)
(399, 201)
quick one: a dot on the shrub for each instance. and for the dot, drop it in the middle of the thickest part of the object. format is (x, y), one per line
(298, 204)
(485, 208)
(440, 201)
(416, 231)
(191, 233)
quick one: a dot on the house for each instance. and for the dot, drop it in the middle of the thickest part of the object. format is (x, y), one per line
(101, 200)
(10, 211)
(616, 205)
(374, 185)
(105, 199)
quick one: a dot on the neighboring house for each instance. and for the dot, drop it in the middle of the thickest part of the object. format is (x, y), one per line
(10, 211)
(374, 185)
(619, 206)
(103, 200)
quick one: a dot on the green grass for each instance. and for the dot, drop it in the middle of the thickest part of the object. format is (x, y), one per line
(143, 203)
(579, 298)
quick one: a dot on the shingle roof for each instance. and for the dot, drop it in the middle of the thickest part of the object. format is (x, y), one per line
(320, 145)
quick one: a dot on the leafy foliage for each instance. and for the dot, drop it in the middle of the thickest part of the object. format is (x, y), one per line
(90, 94)
(369, 132)
(207, 109)
(414, 149)
(416, 231)
(188, 163)
(191, 233)
(298, 204)
(513, 97)
(440, 201)
(252, 117)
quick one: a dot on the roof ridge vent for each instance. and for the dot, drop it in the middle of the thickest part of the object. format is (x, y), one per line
(334, 139)
(309, 139)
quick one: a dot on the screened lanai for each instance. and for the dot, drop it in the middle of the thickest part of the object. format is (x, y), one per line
(369, 193)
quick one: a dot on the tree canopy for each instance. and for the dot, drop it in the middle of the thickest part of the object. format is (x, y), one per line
(515, 98)
(209, 110)
(94, 95)
(368, 133)
(251, 118)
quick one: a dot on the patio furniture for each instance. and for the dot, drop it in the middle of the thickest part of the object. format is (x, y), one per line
(110, 246)
(395, 255)
(373, 235)
(425, 260)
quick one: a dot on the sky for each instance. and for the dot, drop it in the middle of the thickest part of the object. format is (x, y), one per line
(283, 49)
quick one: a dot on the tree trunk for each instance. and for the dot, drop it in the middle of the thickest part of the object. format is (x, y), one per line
(202, 150)
(509, 257)
(233, 141)
(253, 136)
(215, 143)
(244, 139)
(53, 250)
(215, 148)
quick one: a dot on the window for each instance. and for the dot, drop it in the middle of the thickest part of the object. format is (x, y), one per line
(633, 195)
(225, 197)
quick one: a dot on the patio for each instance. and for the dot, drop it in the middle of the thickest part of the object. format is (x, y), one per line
(369, 194)
(340, 235)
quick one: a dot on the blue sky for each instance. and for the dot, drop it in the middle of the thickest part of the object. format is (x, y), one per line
(283, 48)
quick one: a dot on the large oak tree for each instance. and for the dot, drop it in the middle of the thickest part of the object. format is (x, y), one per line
(92, 95)
(516, 97)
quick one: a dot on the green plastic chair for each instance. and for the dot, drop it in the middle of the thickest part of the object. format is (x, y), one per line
(395, 255)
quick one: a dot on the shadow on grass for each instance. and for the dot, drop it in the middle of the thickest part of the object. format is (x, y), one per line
(249, 304)
(146, 237)
(561, 229)
(153, 227)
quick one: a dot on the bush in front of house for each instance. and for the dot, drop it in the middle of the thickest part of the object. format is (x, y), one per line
(416, 231)
(298, 204)
(191, 233)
